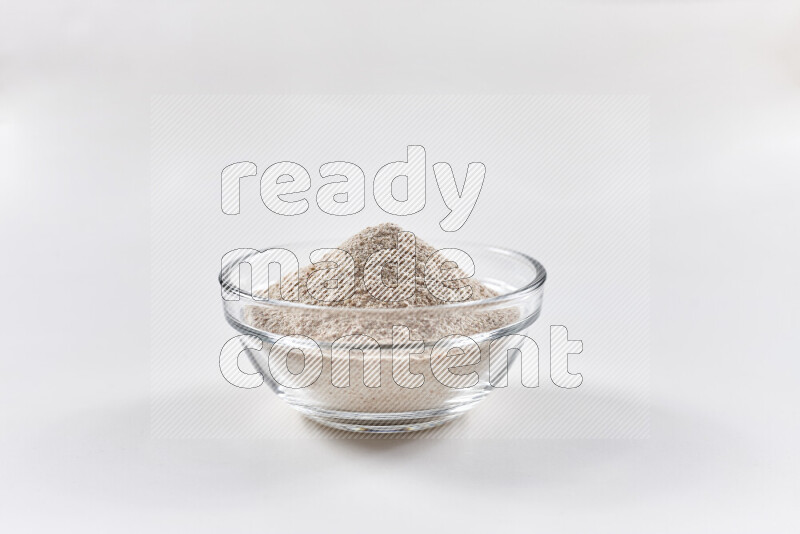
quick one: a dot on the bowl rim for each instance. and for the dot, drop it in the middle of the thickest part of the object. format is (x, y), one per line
(534, 284)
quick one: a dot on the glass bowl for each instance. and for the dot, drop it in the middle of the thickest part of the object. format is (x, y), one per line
(391, 378)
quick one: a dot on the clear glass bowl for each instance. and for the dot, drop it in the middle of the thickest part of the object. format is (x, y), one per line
(382, 393)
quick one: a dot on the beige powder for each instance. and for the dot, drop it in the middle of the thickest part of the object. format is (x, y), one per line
(327, 326)
(361, 313)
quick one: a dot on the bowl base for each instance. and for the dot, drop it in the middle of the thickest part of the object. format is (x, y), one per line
(381, 427)
(366, 423)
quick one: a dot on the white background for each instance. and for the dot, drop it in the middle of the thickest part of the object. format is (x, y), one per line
(724, 82)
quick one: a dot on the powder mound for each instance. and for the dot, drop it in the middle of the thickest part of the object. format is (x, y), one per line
(313, 288)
